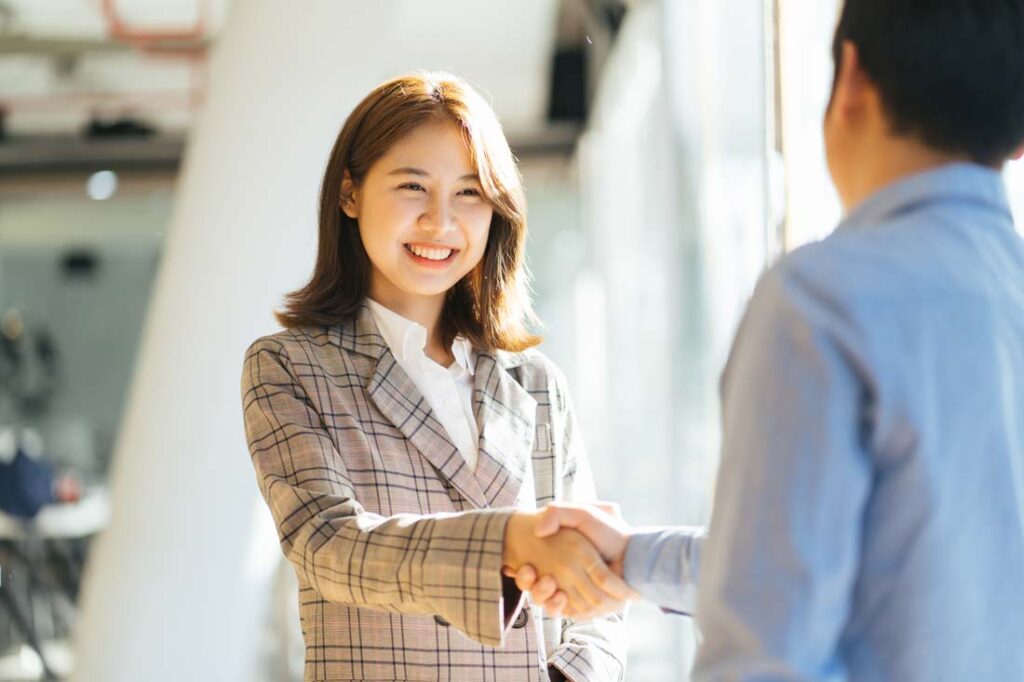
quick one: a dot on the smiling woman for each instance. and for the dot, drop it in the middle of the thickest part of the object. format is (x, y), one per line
(454, 162)
(423, 219)
(403, 427)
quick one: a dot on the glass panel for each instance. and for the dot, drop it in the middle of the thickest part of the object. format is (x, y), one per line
(642, 289)
(805, 30)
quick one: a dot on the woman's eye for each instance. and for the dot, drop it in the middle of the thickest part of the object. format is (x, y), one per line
(471, 192)
(415, 186)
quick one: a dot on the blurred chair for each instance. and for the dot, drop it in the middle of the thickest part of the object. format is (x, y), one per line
(42, 560)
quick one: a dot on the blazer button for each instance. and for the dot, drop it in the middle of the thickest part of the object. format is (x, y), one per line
(522, 619)
(441, 621)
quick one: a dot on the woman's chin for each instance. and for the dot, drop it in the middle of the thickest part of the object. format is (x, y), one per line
(427, 290)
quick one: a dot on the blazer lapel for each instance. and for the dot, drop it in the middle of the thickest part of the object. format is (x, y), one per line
(398, 399)
(506, 415)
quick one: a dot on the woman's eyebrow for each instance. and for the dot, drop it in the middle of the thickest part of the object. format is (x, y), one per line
(409, 170)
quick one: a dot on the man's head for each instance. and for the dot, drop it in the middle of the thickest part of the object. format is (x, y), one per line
(941, 77)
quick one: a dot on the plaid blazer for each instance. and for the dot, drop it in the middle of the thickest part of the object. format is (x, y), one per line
(397, 544)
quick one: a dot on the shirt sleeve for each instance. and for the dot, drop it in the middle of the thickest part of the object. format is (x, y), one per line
(783, 547)
(662, 565)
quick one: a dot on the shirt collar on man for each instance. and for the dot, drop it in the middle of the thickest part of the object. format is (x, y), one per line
(965, 182)
(408, 339)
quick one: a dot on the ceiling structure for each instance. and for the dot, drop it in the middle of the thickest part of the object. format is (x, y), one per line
(83, 82)
(64, 63)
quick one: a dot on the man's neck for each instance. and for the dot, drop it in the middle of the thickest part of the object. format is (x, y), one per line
(890, 161)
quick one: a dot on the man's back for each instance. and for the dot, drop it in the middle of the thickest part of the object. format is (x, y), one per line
(886, 436)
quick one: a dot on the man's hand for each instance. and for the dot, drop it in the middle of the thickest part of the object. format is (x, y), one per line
(602, 525)
(587, 584)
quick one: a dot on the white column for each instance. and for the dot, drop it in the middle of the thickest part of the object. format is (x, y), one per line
(177, 586)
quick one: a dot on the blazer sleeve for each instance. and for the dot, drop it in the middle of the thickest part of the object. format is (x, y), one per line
(592, 651)
(445, 564)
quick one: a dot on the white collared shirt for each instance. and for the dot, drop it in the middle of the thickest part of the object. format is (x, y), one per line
(448, 390)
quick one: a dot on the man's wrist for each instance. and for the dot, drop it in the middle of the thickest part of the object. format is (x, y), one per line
(618, 564)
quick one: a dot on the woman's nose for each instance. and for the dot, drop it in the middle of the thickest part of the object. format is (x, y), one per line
(438, 216)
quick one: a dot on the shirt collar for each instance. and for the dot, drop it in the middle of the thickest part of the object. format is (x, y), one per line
(408, 339)
(963, 182)
(462, 349)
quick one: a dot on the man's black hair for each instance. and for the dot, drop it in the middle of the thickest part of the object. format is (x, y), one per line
(950, 72)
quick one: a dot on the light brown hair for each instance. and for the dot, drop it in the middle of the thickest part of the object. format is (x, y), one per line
(490, 306)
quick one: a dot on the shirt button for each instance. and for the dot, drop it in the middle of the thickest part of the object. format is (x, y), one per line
(522, 619)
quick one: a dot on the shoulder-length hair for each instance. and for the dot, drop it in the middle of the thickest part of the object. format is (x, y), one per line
(490, 306)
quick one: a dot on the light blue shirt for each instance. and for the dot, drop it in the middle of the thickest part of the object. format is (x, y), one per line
(868, 521)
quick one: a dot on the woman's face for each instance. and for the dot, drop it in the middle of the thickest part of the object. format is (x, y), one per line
(422, 216)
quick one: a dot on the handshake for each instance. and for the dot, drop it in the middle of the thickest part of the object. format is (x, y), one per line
(570, 558)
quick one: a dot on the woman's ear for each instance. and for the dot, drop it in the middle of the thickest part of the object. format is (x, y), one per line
(348, 201)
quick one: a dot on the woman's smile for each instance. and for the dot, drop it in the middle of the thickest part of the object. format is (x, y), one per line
(437, 216)
(433, 256)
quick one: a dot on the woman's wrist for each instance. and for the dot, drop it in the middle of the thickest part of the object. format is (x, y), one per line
(518, 531)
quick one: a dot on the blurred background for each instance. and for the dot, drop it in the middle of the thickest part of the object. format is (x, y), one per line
(159, 168)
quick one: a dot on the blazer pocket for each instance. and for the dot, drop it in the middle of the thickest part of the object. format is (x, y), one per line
(547, 467)
(542, 439)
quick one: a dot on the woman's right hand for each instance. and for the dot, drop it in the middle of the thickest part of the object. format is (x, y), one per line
(569, 563)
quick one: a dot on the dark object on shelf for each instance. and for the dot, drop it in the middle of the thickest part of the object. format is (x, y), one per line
(568, 101)
(122, 127)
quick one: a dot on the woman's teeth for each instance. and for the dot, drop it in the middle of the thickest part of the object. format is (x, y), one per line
(430, 254)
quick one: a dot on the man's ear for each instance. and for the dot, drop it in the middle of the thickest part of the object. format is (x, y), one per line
(853, 88)
(348, 200)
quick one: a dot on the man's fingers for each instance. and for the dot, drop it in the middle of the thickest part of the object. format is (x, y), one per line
(606, 532)
(602, 591)
(544, 589)
(572, 564)
(548, 523)
(611, 508)
(593, 598)
(609, 583)
(557, 604)
(557, 516)
(525, 577)
(580, 599)
(599, 611)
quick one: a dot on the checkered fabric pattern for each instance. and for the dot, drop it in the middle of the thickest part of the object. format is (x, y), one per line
(397, 544)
